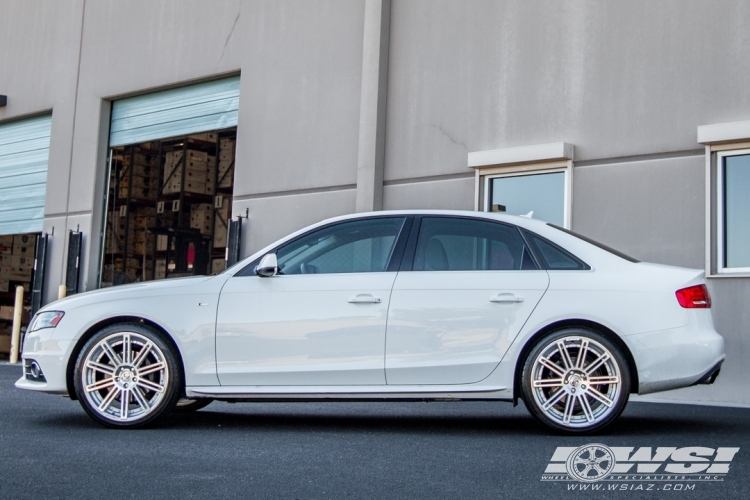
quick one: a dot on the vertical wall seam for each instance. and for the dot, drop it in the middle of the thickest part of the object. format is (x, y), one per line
(73, 142)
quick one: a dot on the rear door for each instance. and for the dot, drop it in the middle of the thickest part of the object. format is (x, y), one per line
(471, 287)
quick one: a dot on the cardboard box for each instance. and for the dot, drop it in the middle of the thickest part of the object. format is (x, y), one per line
(6, 312)
(207, 136)
(143, 247)
(4, 283)
(220, 233)
(218, 266)
(160, 272)
(24, 245)
(6, 245)
(5, 343)
(195, 187)
(161, 242)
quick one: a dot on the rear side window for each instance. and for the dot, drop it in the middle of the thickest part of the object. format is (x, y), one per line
(460, 244)
(555, 257)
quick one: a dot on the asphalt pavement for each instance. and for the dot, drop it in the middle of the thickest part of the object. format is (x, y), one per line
(49, 448)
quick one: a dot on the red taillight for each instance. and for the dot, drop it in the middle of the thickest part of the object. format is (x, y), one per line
(694, 297)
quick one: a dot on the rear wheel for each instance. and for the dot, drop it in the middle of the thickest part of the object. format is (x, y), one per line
(127, 376)
(575, 381)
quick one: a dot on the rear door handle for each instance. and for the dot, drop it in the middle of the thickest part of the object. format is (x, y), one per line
(364, 298)
(506, 298)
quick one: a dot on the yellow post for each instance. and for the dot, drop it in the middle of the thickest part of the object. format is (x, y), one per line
(16, 337)
(62, 291)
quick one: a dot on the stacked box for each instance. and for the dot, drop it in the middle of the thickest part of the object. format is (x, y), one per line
(24, 245)
(208, 137)
(21, 268)
(6, 245)
(160, 272)
(196, 173)
(161, 242)
(200, 217)
(222, 217)
(218, 266)
(226, 162)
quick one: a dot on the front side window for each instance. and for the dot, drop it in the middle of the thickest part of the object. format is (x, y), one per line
(459, 244)
(350, 247)
(733, 211)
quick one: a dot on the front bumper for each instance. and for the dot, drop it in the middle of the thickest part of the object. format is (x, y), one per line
(52, 356)
(675, 358)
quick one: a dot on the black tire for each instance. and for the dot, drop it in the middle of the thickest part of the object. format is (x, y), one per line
(594, 392)
(147, 375)
(185, 405)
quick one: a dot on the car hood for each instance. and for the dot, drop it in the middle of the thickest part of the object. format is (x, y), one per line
(123, 292)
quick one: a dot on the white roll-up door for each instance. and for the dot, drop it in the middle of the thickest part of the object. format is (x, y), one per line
(24, 154)
(170, 113)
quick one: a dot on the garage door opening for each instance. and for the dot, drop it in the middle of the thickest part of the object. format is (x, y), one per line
(170, 184)
(168, 208)
(16, 269)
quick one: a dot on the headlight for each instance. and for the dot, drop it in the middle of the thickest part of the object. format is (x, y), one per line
(48, 319)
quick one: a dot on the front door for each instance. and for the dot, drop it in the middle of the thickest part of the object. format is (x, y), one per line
(472, 286)
(322, 320)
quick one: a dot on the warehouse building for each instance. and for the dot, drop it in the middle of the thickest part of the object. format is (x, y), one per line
(146, 140)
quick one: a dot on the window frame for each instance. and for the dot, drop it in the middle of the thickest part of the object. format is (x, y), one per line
(394, 261)
(717, 232)
(410, 250)
(484, 176)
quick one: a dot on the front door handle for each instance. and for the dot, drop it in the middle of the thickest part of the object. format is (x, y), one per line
(364, 298)
(506, 298)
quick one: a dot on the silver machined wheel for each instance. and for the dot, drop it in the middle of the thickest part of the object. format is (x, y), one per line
(124, 377)
(576, 381)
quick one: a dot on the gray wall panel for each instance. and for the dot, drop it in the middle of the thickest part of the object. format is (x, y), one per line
(453, 194)
(615, 78)
(274, 217)
(652, 210)
(299, 101)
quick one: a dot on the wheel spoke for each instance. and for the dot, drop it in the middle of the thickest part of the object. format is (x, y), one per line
(151, 386)
(551, 366)
(140, 399)
(108, 399)
(151, 369)
(564, 355)
(116, 360)
(569, 405)
(586, 407)
(582, 354)
(548, 382)
(124, 401)
(604, 380)
(127, 349)
(142, 355)
(600, 397)
(102, 384)
(553, 400)
(597, 363)
(106, 369)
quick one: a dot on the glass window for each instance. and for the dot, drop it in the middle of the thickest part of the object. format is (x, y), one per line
(736, 211)
(457, 244)
(359, 246)
(555, 257)
(543, 194)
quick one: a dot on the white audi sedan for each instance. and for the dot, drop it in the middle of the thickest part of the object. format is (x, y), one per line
(400, 306)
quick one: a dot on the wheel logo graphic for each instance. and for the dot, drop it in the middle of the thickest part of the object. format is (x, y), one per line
(591, 462)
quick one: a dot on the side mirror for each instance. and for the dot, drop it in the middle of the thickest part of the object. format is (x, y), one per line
(268, 266)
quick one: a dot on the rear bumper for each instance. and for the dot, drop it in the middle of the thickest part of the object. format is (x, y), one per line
(675, 358)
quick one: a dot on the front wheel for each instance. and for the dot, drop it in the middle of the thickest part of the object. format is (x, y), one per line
(186, 405)
(575, 381)
(127, 376)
